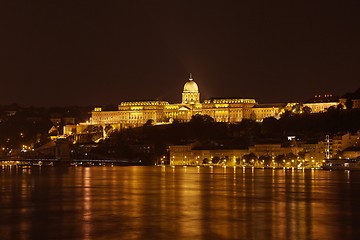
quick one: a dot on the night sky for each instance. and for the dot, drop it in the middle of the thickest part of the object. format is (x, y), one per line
(59, 53)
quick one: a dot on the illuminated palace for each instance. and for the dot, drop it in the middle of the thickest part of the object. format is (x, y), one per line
(137, 113)
(231, 110)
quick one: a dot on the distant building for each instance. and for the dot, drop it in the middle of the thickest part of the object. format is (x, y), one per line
(273, 149)
(314, 150)
(320, 103)
(137, 113)
(351, 100)
(351, 152)
(261, 111)
(228, 109)
(342, 142)
(189, 154)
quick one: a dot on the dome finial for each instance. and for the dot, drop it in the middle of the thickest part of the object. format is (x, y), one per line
(191, 86)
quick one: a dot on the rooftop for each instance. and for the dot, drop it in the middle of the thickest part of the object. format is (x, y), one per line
(270, 105)
(323, 98)
(353, 95)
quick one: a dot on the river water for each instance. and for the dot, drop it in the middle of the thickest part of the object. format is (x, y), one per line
(178, 203)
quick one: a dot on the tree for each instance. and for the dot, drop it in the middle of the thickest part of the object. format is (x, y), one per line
(266, 159)
(290, 156)
(301, 154)
(253, 116)
(149, 123)
(349, 104)
(306, 110)
(249, 157)
(287, 114)
(198, 118)
(339, 107)
(109, 130)
(215, 160)
(296, 108)
(280, 158)
(270, 125)
(331, 109)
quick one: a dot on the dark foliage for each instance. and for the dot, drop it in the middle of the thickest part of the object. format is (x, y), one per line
(333, 121)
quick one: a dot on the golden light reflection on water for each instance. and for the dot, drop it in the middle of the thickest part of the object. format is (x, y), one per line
(179, 203)
(87, 203)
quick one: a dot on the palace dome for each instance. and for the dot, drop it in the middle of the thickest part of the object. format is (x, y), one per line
(191, 86)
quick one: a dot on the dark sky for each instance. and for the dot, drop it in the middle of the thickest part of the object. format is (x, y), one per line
(92, 52)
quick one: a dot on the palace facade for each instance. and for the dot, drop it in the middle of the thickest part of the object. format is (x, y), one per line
(230, 110)
(320, 103)
(137, 113)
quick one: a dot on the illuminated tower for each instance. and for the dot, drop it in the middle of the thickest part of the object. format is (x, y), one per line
(191, 93)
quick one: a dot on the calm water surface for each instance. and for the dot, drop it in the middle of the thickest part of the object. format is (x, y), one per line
(178, 203)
